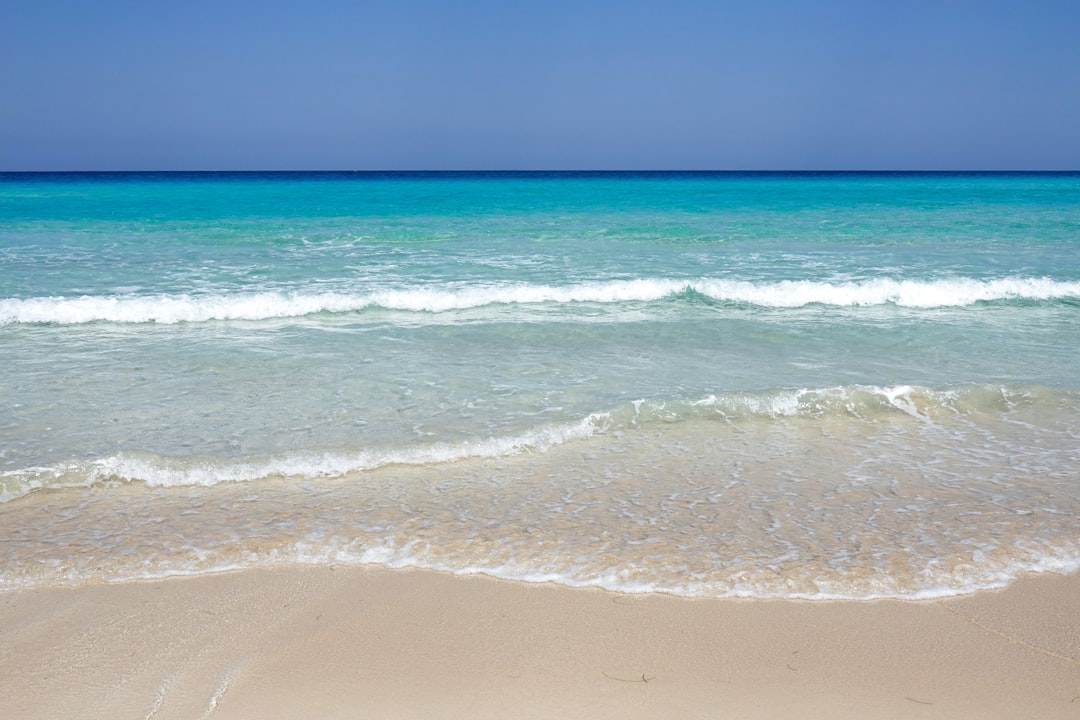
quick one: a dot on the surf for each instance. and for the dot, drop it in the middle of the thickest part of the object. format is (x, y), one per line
(786, 294)
(851, 405)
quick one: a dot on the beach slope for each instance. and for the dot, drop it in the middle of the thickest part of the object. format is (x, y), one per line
(368, 642)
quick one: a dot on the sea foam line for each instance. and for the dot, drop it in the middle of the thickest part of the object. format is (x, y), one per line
(168, 309)
(156, 471)
(853, 401)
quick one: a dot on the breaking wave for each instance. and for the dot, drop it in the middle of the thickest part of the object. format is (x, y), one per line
(857, 403)
(168, 309)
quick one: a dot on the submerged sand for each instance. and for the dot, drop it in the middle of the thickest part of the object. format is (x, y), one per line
(357, 642)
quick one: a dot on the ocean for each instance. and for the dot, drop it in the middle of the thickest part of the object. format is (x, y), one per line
(783, 385)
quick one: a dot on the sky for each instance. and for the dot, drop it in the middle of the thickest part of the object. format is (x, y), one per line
(476, 85)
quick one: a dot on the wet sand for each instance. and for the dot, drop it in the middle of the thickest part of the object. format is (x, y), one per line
(364, 642)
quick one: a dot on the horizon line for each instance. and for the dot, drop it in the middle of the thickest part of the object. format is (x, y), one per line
(546, 171)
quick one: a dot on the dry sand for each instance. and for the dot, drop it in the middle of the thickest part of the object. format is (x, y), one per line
(373, 643)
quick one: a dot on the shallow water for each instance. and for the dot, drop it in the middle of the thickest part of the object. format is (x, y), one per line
(704, 384)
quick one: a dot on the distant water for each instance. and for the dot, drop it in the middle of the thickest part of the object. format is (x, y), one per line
(768, 385)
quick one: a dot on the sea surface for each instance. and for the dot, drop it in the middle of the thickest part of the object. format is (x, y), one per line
(834, 385)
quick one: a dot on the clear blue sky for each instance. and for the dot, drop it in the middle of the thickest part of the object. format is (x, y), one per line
(418, 84)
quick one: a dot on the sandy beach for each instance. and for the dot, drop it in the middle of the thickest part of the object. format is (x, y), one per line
(520, 361)
(357, 642)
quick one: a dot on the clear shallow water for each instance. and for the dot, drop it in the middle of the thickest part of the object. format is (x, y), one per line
(767, 385)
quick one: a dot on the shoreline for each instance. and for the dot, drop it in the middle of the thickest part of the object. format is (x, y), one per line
(366, 641)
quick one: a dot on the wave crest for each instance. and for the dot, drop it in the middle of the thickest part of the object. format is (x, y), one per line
(169, 309)
(856, 403)
(157, 471)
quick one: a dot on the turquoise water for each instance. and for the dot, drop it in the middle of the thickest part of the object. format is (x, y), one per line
(793, 385)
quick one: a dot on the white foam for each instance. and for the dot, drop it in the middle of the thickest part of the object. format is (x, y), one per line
(931, 585)
(906, 293)
(161, 472)
(922, 403)
(168, 309)
(809, 402)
